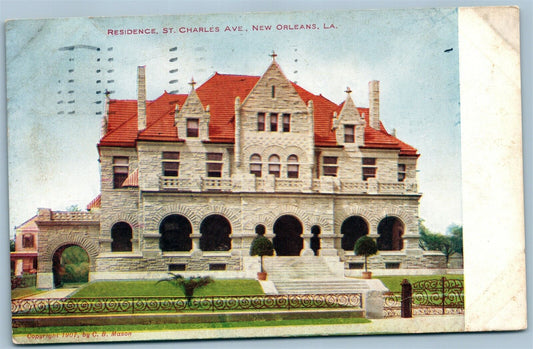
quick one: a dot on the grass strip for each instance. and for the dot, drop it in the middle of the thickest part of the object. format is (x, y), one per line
(229, 287)
(187, 326)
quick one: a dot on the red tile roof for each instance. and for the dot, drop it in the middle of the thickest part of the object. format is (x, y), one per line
(219, 93)
(132, 180)
(95, 203)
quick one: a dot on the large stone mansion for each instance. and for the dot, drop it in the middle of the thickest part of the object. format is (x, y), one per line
(188, 181)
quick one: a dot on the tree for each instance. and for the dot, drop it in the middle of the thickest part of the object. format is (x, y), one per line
(261, 246)
(12, 245)
(189, 285)
(447, 244)
(456, 236)
(365, 246)
(73, 208)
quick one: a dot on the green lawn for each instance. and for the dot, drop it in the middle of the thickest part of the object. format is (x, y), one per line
(23, 292)
(393, 283)
(221, 287)
(187, 326)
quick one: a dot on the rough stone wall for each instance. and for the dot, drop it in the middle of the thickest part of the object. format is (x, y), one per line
(299, 140)
(192, 162)
(56, 233)
(406, 261)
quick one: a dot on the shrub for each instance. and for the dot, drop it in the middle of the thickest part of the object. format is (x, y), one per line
(365, 246)
(261, 246)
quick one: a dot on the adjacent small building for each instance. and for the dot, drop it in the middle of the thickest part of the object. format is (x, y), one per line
(24, 258)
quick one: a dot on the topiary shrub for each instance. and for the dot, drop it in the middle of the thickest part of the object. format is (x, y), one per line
(261, 246)
(365, 246)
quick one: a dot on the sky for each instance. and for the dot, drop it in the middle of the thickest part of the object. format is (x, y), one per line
(58, 69)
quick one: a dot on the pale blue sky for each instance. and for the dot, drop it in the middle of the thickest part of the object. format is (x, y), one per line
(52, 152)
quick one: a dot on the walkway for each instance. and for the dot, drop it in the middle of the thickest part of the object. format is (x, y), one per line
(54, 294)
(420, 324)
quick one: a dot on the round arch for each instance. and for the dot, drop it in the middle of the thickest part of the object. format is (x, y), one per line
(175, 233)
(288, 240)
(121, 233)
(352, 229)
(215, 233)
(72, 266)
(390, 231)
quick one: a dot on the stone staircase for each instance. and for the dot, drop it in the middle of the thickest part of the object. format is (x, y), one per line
(309, 275)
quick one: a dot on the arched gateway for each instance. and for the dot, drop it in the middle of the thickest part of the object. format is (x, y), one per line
(288, 240)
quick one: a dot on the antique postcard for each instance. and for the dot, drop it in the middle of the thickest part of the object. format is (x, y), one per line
(263, 174)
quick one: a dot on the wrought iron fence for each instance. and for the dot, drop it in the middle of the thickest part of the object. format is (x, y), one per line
(429, 297)
(135, 305)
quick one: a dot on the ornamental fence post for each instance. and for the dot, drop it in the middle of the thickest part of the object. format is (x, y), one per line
(443, 296)
(407, 299)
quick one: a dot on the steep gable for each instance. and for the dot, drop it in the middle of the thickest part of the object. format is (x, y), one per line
(219, 93)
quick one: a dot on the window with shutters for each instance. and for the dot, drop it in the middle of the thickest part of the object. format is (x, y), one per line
(273, 122)
(329, 166)
(171, 163)
(349, 134)
(120, 170)
(369, 168)
(401, 172)
(274, 166)
(292, 166)
(214, 164)
(192, 127)
(255, 165)
(260, 121)
(286, 122)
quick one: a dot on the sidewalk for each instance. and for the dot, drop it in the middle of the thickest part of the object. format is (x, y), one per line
(420, 324)
(55, 294)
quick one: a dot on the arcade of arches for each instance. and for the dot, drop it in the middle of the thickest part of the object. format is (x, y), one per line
(215, 230)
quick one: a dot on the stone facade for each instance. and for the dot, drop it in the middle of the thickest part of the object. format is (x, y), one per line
(209, 171)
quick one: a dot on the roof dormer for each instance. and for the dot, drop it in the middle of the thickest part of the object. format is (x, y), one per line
(192, 119)
(349, 124)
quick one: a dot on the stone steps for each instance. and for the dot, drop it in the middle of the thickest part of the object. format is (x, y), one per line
(299, 268)
(308, 275)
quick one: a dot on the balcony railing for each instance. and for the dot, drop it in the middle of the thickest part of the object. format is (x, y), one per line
(223, 184)
(323, 185)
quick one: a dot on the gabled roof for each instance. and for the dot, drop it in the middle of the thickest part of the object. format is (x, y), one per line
(28, 225)
(219, 93)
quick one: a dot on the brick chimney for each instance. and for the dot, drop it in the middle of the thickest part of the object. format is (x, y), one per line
(373, 103)
(141, 97)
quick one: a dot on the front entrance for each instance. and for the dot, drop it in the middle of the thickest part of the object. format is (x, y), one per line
(288, 240)
(70, 266)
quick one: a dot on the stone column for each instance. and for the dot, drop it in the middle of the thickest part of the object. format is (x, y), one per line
(307, 251)
(196, 251)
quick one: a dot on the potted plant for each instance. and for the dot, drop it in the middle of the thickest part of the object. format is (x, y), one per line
(366, 246)
(261, 246)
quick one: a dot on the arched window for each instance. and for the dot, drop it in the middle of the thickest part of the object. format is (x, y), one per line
(216, 231)
(352, 229)
(260, 229)
(274, 166)
(292, 166)
(315, 240)
(121, 233)
(175, 231)
(390, 231)
(255, 165)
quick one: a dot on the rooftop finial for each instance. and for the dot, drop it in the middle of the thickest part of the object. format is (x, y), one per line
(348, 91)
(192, 83)
(273, 55)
